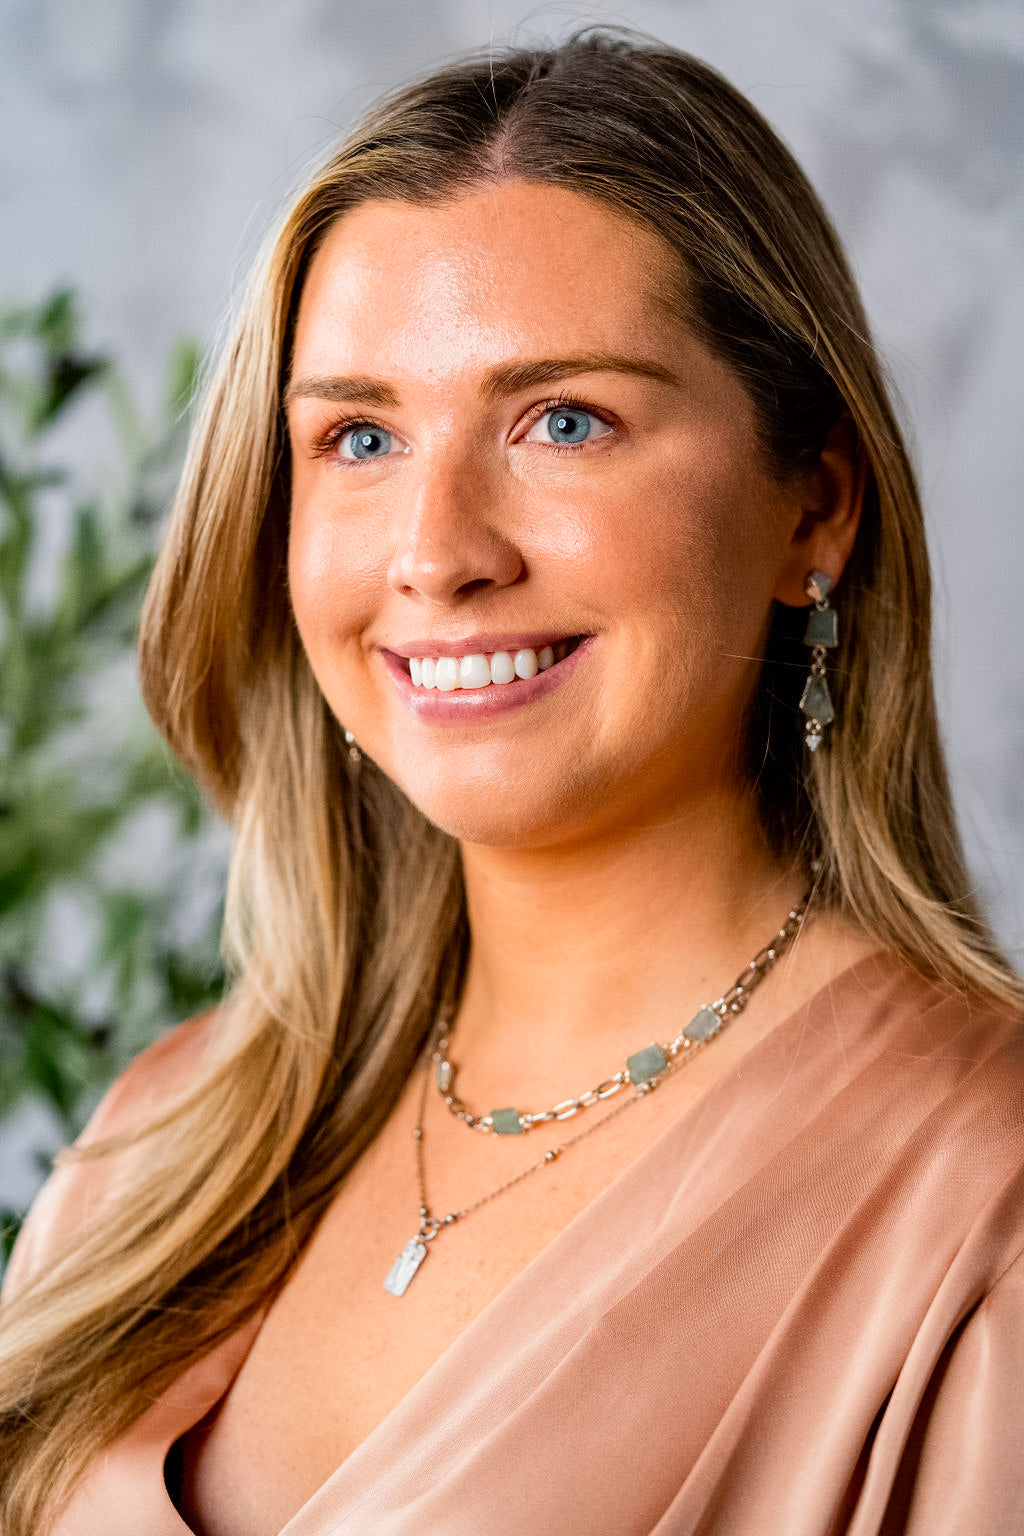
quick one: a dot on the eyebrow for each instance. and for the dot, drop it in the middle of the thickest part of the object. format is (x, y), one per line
(499, 383)
(357, 391)
(513, 377)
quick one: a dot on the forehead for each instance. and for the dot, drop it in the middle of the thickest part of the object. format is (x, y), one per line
(504, 267)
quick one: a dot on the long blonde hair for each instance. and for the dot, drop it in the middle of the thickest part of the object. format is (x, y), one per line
(346, 920)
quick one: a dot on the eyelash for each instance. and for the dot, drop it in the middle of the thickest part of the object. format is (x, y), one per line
(329, 440)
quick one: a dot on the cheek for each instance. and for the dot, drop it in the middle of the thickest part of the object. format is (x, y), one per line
(724, 536)
(330, 579)
(666, 542)
(698, 572)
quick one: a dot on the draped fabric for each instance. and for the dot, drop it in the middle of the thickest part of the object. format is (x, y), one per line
(800, 1311)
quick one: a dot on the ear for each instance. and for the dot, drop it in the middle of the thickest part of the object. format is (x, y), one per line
(827, 507)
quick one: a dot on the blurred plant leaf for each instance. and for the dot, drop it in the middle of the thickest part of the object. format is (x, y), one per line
(79, 762)
(10, 1226)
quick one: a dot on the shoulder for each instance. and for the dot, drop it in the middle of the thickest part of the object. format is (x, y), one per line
(157, 1076)
(861, 1009)
(910, 1090)
(905, 1011)
(959, 1030)
(928, 1091)
(953, 1055)
(82, 1184)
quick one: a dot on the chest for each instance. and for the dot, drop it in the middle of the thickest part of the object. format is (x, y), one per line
(337, 1353)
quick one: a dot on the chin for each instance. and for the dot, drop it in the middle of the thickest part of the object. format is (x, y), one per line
(493, 813)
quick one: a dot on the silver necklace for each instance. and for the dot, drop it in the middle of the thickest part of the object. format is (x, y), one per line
(645, 1069)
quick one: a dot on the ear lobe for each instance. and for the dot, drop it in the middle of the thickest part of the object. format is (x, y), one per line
(828, 499)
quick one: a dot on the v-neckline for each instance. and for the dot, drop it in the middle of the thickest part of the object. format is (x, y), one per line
(876, 961)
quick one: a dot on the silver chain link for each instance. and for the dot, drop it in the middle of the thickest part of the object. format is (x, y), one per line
(731, 1003)
(728, 1005)
(430, 1225)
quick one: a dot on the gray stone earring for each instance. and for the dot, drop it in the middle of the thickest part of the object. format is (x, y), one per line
(353, 751)
(822, 635)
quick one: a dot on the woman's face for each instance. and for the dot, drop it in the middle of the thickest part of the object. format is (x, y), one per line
(507, 449)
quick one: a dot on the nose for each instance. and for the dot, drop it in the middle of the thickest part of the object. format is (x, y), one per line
(453, 538)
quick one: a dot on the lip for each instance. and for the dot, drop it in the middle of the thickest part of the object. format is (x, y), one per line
(479, 704)
(474, 645)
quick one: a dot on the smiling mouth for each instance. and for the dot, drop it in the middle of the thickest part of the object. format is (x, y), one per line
(484, 669)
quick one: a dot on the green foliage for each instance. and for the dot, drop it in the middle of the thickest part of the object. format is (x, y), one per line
(110, 868)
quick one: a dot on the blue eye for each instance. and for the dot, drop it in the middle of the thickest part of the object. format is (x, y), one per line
(569, 426)
(366, 442)
(566, 426)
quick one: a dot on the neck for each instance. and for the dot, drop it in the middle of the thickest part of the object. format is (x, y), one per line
(578, 952)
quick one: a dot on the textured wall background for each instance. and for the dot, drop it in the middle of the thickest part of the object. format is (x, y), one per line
(144, 144)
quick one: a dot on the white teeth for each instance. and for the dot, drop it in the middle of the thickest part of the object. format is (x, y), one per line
(474, 672)
(478, 670)
(502, 667)
(447, 675)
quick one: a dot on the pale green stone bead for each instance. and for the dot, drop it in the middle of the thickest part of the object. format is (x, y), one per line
(702, 1026)
(506, 1122)
(646, 1064)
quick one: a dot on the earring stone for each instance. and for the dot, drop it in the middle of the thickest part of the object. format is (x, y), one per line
(818, 585)
(822, 635)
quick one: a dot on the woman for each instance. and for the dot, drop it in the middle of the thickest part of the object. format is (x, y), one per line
(499, 613)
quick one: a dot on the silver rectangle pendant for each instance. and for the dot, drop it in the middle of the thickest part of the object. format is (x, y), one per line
(404, 1268)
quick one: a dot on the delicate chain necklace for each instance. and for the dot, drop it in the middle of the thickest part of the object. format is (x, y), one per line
(644, 1069)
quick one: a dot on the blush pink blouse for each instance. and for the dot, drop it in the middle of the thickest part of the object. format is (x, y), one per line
(799, 1313)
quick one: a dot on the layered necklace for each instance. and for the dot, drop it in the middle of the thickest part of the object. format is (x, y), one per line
(643, 1070)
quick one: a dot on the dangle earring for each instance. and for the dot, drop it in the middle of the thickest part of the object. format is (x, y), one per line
(353, 751)
(822, 635)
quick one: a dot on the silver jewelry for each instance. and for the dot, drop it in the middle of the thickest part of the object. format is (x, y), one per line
(822, 635)
(401, 1273)
(353, 751)
(644, 1069)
